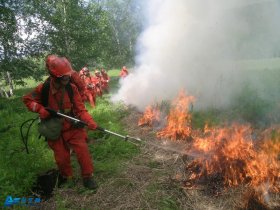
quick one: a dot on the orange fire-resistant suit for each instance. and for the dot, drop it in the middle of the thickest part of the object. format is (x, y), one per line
(105, 81)
(90, 90)
(123, 72)
(96, 80)
(71, 137)
(76, 79)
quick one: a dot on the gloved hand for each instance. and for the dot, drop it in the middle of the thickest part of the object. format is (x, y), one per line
(78, 124)
(92, 126)
(43, 113)
(52, 112)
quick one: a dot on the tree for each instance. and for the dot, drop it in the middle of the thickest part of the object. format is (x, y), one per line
(87, 32)
(76, 30)
(125, 19)
(18, 55)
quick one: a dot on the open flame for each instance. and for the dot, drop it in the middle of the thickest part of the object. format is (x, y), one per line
(150, 116)
(230, 154)
(179, 119)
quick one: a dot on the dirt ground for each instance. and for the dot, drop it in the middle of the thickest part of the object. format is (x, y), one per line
(153, 180)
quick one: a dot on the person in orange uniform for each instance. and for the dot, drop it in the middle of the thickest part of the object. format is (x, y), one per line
(81, 72)
(76, 79)
(71, 137)
(124, 72)
(97, 80)
(105, 80)
(90, 87)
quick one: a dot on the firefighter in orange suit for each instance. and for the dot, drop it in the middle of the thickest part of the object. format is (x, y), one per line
(82, 71)
(123, 72)
(76, 79)
(97, 80)
(90, 87)
(105, 80)
(71, 137)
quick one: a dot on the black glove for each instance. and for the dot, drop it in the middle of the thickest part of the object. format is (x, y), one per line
(100, 129)
(52, 112)
(78, 124)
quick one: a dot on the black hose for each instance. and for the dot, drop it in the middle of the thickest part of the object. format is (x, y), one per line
(25, 138)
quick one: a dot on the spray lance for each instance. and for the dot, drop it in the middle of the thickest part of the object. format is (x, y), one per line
(82, 123)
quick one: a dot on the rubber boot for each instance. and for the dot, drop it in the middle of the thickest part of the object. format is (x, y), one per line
(89, 183)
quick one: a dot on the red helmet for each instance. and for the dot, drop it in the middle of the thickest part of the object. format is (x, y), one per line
(58, 66)
(49, 59)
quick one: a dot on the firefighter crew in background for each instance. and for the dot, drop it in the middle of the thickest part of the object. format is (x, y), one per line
(105, 80)
(76, 79)
(123, 73)
(97, 81)
(71, 137)
(90, 87)
(81, 72)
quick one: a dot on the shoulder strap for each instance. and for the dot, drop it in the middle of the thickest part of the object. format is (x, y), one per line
(70, 92)
(45, 93)
(46, 90)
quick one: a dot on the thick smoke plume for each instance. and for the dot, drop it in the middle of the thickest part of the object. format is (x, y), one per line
(201, 45)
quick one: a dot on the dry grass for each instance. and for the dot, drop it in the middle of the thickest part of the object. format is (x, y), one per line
(152, 180)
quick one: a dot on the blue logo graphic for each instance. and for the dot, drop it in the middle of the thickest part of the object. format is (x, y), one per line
(21, 201)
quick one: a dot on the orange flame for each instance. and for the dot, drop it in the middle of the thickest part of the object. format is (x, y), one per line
(150, 116)
(179, 119)
(230, 153)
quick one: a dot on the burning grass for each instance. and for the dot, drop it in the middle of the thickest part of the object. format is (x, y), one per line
(150, 117)
(228, 157)
(179, 119)
(225, 158)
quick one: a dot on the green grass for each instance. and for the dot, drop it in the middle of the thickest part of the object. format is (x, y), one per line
(114, 72)
(18, 170)
(110, 150)
(114, 80)
(166, 202)
(205, 117)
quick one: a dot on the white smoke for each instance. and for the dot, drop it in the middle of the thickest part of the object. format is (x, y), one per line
(196, 45)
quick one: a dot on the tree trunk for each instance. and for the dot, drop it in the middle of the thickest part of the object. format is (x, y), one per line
(116, 33)
(10, 82)
(3, 92)
(65, 29)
